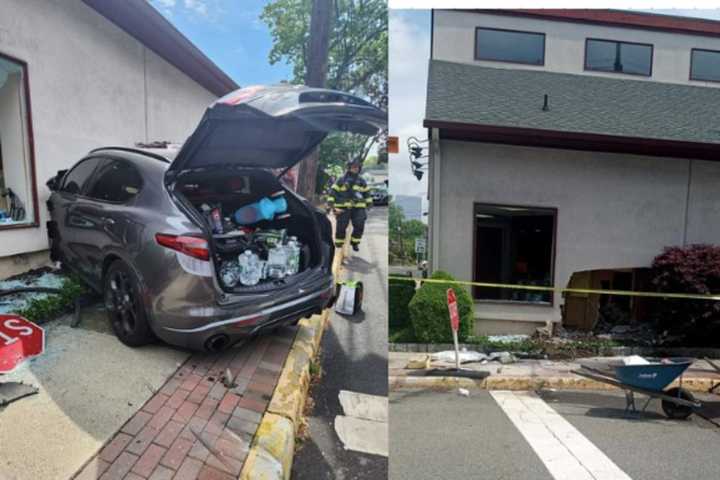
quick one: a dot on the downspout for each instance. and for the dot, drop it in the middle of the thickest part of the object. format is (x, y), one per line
(434, 200)
(687, 202)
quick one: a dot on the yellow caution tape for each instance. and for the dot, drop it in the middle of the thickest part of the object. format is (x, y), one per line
(537, 288)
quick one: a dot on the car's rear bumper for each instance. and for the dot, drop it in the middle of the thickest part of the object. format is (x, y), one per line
(217, 327)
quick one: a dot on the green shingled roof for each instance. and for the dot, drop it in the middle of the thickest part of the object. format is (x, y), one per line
(578, 103)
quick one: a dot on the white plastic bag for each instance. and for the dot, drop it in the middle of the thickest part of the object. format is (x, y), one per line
(635, 360)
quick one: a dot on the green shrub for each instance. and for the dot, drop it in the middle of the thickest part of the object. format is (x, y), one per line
(689, 269)
(400, 293)
(40, 310)
(429, 311)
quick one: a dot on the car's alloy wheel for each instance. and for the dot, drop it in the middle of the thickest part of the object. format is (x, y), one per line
(124, 305)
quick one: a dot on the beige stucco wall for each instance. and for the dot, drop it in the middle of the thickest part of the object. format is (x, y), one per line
(454, 40)
(91, 85)
(614, 210)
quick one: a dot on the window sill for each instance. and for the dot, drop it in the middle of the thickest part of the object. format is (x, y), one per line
(18, 226)
(612, 72)
(477, 301)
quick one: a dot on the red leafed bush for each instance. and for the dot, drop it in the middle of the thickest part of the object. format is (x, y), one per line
(690, 269)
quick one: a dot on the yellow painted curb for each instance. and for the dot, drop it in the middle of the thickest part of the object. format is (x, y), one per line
(271, 453)
(700, 385)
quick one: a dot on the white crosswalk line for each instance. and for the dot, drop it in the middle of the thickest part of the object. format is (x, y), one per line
(364, 427)
(566, 453)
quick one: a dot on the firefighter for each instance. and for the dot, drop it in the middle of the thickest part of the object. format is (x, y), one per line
(349, 198)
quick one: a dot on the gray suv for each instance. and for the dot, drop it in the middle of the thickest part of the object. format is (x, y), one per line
(202, 245)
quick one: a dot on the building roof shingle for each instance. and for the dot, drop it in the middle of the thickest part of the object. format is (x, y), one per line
(587, 104)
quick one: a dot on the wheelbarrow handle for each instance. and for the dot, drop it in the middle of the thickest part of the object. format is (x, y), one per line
(599, 376)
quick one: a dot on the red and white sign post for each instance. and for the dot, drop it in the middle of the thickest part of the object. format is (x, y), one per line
(20, 339)
(454, 323)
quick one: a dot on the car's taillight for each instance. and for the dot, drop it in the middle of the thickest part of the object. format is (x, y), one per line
(195, 247)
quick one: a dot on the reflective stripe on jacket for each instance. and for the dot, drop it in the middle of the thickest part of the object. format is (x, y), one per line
(350, 191)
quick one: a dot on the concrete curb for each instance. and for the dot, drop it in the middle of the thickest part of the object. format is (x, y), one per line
(699, 385)
(272, 450)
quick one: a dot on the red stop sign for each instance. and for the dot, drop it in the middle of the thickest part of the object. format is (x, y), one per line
(20, 339)
(452, 308)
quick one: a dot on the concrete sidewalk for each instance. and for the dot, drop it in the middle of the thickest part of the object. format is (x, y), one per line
(522, 375)
(89, 385)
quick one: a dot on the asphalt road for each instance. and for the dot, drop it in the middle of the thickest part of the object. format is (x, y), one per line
(354, 358)
(445, 435)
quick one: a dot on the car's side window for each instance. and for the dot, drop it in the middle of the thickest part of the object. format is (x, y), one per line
(75, 179)
(117, 181)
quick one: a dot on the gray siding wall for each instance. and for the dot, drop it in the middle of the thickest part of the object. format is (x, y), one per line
(614, 210)
(454, 41)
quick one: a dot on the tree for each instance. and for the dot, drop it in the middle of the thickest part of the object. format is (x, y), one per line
(356, 63)
(315, 76)
(317, 66)
(403, 233)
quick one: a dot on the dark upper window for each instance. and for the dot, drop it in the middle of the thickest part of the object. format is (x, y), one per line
(513, 245)
(509, 46)
(117, 181)
(705, 65)
(618, 57)
(74, 181)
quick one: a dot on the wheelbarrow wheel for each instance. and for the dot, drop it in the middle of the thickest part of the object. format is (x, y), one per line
(675, 411)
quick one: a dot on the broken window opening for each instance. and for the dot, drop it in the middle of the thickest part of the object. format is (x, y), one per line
(514, 245)
(16, 177)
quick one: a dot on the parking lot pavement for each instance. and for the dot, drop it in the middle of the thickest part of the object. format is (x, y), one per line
(490, 435)
(194, 426)
(445, 435)
(646, 446)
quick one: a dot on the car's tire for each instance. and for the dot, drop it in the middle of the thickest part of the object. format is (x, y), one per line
(123, 301)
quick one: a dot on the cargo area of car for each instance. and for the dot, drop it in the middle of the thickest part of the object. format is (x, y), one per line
(263, 236)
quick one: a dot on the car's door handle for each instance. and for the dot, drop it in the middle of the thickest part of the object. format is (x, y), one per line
(108, 221)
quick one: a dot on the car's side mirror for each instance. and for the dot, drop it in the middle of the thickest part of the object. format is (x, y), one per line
(54, 183)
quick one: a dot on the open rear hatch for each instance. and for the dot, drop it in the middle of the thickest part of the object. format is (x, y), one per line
(262, 235)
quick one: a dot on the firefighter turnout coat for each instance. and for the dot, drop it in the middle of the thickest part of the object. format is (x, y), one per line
(349, 191)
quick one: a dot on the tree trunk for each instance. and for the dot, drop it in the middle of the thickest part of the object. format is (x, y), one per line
(315, 76)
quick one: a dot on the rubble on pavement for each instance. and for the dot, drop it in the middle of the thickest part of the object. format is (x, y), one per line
(43, 278)
(466, 356)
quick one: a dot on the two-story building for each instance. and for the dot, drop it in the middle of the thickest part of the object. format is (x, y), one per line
(80, 74)
(568, 147)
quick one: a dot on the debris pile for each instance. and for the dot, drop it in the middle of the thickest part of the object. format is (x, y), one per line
(470, 356)
(42, 278)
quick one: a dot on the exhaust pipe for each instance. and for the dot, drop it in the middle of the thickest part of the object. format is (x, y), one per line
(217, 343)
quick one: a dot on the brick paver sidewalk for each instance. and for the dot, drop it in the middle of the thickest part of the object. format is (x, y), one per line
(194, 427)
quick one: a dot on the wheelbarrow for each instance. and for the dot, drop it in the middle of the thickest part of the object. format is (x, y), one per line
(650, 380)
